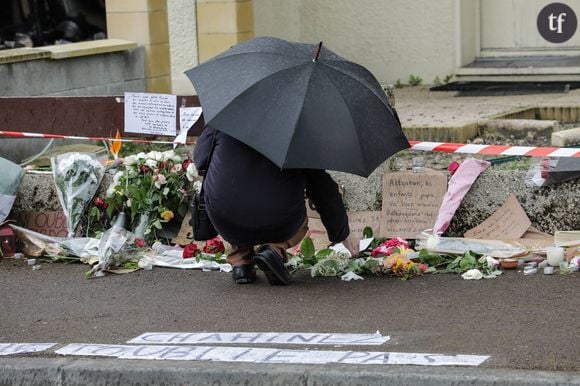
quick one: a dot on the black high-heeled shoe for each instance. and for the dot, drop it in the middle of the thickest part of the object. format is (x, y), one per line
(244, 274)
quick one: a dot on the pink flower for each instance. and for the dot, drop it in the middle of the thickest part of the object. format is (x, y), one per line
(160, 180)
(190, 251)
(388, 246)
(139, 243)
(423, 267)
(214, 245)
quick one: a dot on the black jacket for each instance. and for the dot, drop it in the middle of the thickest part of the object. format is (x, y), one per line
(251, 201)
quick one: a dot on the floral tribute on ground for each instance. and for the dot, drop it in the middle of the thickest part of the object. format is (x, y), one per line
(127, 228)
(388, 257)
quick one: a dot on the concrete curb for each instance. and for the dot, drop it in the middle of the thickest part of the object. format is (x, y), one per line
(67, 371)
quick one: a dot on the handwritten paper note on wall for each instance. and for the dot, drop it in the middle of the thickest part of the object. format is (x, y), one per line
(411, 202)
(147, 113)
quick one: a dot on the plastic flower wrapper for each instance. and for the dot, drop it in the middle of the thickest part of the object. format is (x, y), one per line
(77, 177)
(116, 247)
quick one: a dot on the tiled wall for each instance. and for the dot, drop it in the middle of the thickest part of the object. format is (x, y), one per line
(144, 22)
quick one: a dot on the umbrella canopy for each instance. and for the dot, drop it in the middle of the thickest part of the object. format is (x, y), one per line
(300, 105)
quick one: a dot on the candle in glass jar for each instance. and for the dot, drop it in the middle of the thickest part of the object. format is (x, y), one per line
(555, 256)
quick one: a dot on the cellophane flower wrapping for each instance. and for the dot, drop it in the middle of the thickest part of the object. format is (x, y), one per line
(77, 177)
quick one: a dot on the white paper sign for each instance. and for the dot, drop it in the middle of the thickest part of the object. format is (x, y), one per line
(187, 118)
(21, 348)
(260, 338)
(267, 355)
(147, 113)
(363, 244)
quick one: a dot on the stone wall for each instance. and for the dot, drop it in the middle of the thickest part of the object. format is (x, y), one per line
(103, 74)
(549, 209)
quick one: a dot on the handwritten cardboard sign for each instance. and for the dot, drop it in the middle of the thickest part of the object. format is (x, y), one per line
(411, 202)
(48, 223)
(357, 222)
(509, 222)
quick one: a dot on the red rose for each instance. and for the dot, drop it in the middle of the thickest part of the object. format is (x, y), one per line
(423, 267)
(185, 164)
(214, 245)
(139, 243)
(388, 246)
(190, 251)
(101, 204)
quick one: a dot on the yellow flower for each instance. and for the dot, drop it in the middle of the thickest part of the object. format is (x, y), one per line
(398, 264)
(405, 251)
(167, 215)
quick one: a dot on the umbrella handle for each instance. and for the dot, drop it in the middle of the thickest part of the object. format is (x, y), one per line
(317, 52)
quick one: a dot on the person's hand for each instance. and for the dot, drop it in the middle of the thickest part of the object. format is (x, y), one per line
(352, 244)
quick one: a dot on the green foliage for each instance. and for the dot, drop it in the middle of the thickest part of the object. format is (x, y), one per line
(437, 81)
(415, 80)
(367, 232)
(307, 248)
(447, 78)
(398, 84)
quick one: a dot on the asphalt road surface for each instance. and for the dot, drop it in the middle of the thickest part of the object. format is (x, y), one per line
(521, 322)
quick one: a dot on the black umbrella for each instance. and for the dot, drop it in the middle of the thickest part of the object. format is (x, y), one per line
(300, 105)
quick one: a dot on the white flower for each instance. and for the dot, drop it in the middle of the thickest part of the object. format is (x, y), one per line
(176, 159)
(110, 190)
(130, 160)
(177, 167)
(165, 191)
(141, 155)
(129, 203)
(117, 177)
(473, 274)
(491, 261)
(154, 155)
(191, 172)
(151, 163)
(167, 155)
(197, 186)
(160, 180)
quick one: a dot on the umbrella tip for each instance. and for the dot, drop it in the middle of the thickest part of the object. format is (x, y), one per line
(317, 52)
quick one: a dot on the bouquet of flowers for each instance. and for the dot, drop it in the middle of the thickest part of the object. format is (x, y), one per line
(117, 246)
(154, 188)
(77, 177)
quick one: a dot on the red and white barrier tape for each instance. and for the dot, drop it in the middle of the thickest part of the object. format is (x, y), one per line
(529, 151)
(17, 134)
(444, 147)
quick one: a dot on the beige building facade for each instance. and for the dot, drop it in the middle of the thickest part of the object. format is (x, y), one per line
(394, 39)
